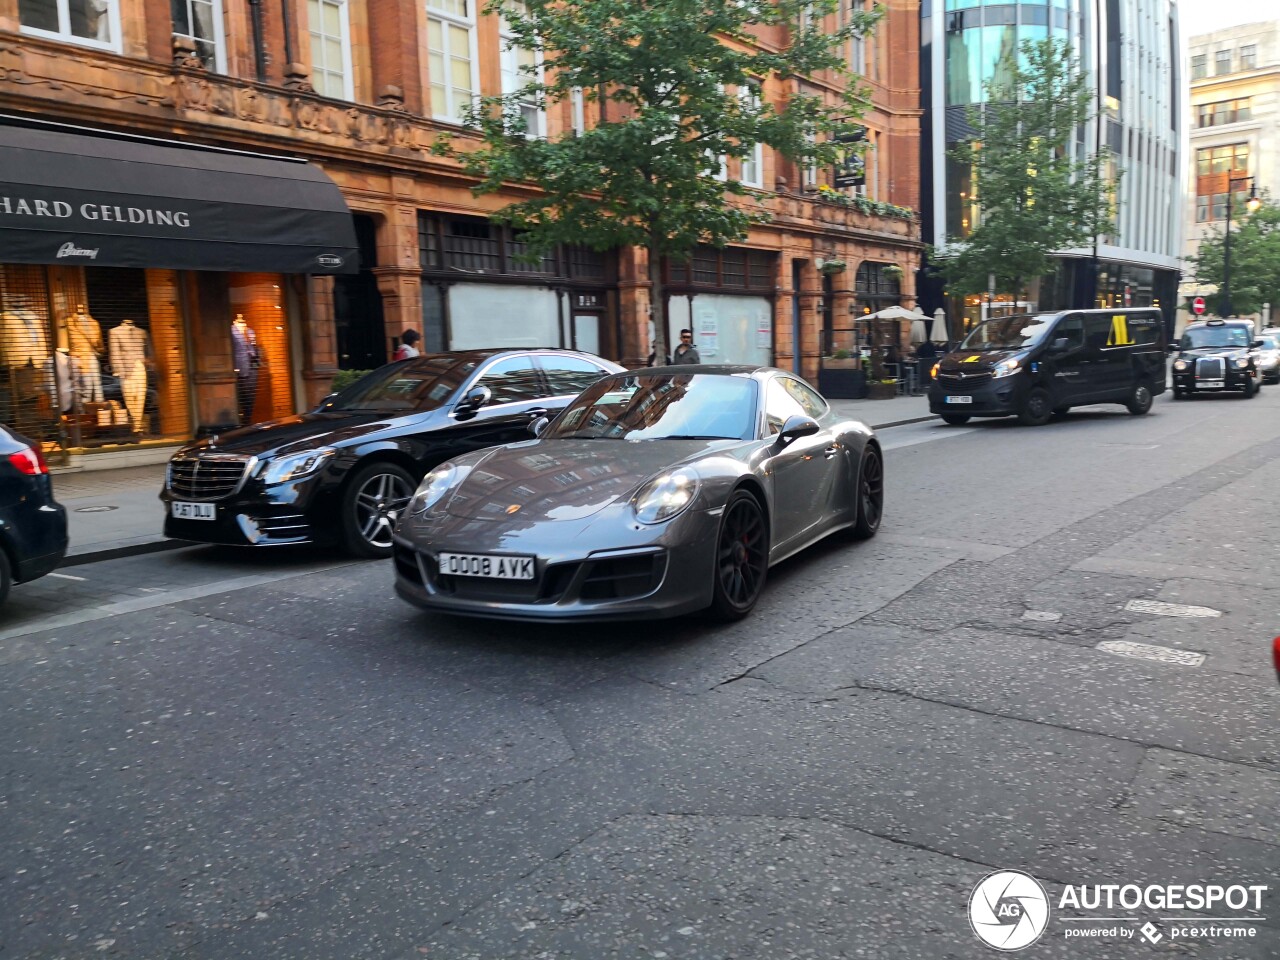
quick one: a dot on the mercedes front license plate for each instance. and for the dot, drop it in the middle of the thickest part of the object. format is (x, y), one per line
(193, 511)
(959, 399)
(486, 565)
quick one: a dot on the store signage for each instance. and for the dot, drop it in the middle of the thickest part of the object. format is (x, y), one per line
(329, 260)
(71, 250)
(851, 170)
(588, 300)
(105, 212)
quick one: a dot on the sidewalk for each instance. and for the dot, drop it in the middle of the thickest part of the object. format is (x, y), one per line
(113, 513)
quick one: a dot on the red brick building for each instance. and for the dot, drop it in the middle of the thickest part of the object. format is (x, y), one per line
(361, 89)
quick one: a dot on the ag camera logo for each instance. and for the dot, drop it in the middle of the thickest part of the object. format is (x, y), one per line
(1008, 910)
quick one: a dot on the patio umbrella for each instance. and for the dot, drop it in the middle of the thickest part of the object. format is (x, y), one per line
(939, 326)
(892, 313)
(919, 332)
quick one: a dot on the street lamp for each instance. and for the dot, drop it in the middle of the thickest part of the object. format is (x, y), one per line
(1224, 297)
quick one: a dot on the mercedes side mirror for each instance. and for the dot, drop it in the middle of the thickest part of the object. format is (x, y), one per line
(475, 398)
(796, 427)
(537, 426)
(326, 401)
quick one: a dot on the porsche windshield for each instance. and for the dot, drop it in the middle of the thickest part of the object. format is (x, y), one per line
(1008, 333)
(415, 385)
(661, 407)
(1217, 335)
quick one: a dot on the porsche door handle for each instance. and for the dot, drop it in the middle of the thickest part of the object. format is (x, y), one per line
(831, 451)
(536, 412)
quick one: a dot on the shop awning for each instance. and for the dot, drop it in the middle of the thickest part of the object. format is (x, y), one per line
(77, 198)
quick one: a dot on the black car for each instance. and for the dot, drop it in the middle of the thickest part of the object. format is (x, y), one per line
(33, 526)
(343, 472)
(1036, 366)
(1216, 356)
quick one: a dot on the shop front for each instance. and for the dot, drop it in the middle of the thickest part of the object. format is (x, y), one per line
(726, 298)
(151, 292)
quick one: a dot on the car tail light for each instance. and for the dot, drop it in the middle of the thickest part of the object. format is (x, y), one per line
(1275, 655)
(29, 460)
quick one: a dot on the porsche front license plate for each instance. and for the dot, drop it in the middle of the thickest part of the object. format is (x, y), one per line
(959, 399)
(193, 511)
(486, 565)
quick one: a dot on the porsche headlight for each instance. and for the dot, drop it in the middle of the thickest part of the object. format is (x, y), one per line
(432, 489)
(1180, 365)
(1006, 368)
(1242, 362)
(295, 465)
(666, 496)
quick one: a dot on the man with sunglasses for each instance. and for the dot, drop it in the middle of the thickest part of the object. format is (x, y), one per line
(686, 352)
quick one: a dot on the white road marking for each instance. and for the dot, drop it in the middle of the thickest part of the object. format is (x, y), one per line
(1161, 609)
(932, 432)
(1150, 651)
(67, 576)
(1042, 616)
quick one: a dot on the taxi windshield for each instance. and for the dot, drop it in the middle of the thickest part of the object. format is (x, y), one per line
(1007, 333)
(1216, 336)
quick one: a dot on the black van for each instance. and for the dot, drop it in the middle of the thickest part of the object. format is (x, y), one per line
(1033, 367)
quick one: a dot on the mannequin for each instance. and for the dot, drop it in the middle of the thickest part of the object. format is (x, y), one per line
(23, 332)
(130, 349)
(247, 359)
(64, 379)
(84, 337)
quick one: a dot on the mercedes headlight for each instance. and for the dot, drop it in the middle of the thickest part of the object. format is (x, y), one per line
(666, 496)
(1242, 362)
(1180, 365)
(1006, 368)
(295, 465)
(432, 489)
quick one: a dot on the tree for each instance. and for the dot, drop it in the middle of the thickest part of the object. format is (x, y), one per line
(1255, 260)
(1035, 194)
(678, 86)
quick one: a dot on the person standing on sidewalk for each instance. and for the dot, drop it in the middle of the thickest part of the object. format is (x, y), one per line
(407, 350)
(686, 352)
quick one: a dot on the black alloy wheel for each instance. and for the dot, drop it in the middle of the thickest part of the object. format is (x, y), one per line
(1249, 389)
(371, 503)
(1140, 400)
(954, 419)
(1179, 393)
(1037, 409)
(742, 558)
(870, 495)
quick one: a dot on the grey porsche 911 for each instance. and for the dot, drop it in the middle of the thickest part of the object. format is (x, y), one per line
(655, 493)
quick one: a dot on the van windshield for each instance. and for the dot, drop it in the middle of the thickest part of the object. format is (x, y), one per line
(1008, 333)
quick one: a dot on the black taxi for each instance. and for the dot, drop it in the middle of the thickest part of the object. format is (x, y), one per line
(1034, 366)
(1217, 356)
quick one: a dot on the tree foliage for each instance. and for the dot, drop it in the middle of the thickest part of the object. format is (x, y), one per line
(1255, 261)
(1035, 193)
(669, 77)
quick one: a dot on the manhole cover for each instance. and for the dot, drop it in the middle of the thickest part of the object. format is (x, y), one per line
(95, 509)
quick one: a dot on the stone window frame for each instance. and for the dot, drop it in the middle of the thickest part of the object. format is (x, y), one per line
(348, 71)
(219, 39)
(64, 35)
(445, 12)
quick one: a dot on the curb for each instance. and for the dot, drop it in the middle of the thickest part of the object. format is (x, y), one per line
(117, 553)
(903, 423)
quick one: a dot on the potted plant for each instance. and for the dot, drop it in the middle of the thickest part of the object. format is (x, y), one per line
(882, 390)
(893, 272)
(833, 266)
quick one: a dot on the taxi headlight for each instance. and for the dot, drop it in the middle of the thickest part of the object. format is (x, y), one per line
(666, 496)
(432, 489)
(1006, 368)
(1180, 364)
(1242, 362)
(295, 466)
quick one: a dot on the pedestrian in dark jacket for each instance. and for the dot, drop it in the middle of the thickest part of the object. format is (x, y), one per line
(686, 352)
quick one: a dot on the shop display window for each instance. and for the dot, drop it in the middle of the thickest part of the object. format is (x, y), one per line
(93, 357)
(260, 351)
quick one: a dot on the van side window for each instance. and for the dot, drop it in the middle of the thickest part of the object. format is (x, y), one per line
(1072, 330)
(1097, 329)
(1144, 330)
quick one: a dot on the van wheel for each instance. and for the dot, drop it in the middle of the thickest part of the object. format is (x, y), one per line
(1179, 394)
(955, 419)
(373, 500)
(1140, 400)
(1037, 410)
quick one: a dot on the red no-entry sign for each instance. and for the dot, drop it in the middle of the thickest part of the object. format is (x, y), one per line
(1197, 305)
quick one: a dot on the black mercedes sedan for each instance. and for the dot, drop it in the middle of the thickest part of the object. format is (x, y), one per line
(343, 472)
(33, 526)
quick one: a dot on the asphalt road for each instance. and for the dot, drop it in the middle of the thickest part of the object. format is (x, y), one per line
(212, 755)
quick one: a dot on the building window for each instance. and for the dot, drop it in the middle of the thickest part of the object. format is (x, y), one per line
(520, 67)
(330, 48)
(1199, 66)
(1249, 56)
(1233, 158)
(1223, 112)
(1222, 63)
(94, 23)
(1202, 209)
(451, 59)
(753, 163)
(201, 22)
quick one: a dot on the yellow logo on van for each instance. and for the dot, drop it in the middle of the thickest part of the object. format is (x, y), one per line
(974, 359)
(1119, 336)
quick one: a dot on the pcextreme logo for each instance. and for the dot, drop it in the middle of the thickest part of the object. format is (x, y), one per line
(1008, 910)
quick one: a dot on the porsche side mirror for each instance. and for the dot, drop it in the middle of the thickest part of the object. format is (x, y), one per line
(796, 427)
(475, 398)
(1257, 344)
(537, 426)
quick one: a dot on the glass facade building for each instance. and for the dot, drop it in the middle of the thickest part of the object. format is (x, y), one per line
(1130, 49)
